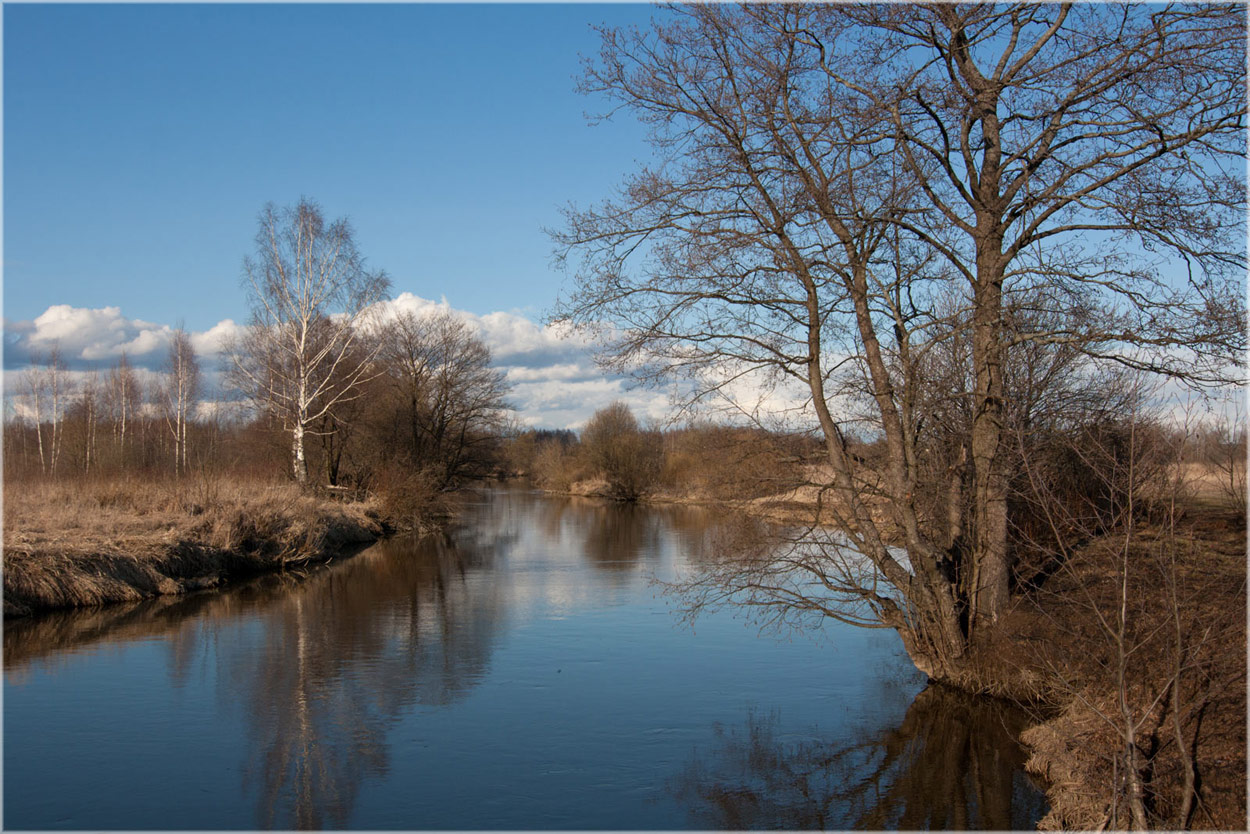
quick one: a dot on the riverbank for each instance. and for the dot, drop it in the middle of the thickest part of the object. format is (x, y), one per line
(78, 544)
(802, 505)
(1184, 664)
(1184, 658)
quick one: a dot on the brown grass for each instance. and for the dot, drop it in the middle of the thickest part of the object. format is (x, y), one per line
(1059, 635)
(69, 544)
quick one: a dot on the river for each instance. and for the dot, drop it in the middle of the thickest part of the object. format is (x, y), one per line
(523, 671)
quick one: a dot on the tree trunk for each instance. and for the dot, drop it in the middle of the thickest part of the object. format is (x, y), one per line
(297, 454)
(987, 583)
(43, 463)
(121, 440)
(933, 640)
(184, 441)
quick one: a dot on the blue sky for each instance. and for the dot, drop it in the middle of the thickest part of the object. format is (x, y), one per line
(141, 141)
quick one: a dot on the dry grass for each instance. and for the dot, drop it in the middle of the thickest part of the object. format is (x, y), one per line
(1076, 749)
(72, 544)
(1210, 486)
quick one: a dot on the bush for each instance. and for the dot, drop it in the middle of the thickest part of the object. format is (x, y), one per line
(732, 462)
(627, 458)
(557, 466)
(409, 496)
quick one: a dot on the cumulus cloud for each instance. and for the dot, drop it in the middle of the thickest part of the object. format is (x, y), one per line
(96, 337)
(568, 372)
(89, 335)
(212, 341)
(564, 404)
(555, 381)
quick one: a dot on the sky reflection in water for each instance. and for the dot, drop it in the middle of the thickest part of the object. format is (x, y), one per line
(520, 672)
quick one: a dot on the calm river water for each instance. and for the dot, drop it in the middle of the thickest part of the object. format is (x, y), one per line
(520, 672)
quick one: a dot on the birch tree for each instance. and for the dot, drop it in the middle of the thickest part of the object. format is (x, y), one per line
(310, 294)
(89, 409)
(49, 391)
(123, 399)
(182, 388)
(35, 385)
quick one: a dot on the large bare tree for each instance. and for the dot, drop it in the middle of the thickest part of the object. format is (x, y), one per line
(310, 294)
(884, 204)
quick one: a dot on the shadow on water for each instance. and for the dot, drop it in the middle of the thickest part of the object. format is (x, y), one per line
(953, 763)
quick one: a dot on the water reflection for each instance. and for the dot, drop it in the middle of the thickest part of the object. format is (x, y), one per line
(953, 763)
(339, 657)
(616, 538)
(321, 665)
(315, 673)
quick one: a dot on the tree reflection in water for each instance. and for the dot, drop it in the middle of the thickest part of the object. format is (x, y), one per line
(949, 765)
(322, 670)
(618, 537)
(341, 655)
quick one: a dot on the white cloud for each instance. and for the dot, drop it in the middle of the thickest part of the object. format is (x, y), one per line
(555, 381)
(92, 334)
(99, 336)
(567, 371)
(569, 404)
(212, 341)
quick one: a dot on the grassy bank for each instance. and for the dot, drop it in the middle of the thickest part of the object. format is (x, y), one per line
(70, 544)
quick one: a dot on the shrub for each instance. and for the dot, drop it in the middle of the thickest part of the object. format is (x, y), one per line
(627, 458)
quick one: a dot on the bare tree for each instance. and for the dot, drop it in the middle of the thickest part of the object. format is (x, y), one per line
(123, 399)
(1224, 450)
(847, 193)
(310, 295)
(181, 392)
(49, 394)
(453, 401)
(617, 450)
(35, 384)
(88, 408)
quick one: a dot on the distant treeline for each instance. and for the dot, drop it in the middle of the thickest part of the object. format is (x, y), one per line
(426, 417)
(618, 457)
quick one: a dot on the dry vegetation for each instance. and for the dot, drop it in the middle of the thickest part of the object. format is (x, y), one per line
(78, 543)
(1184, 691)
(706, 463)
